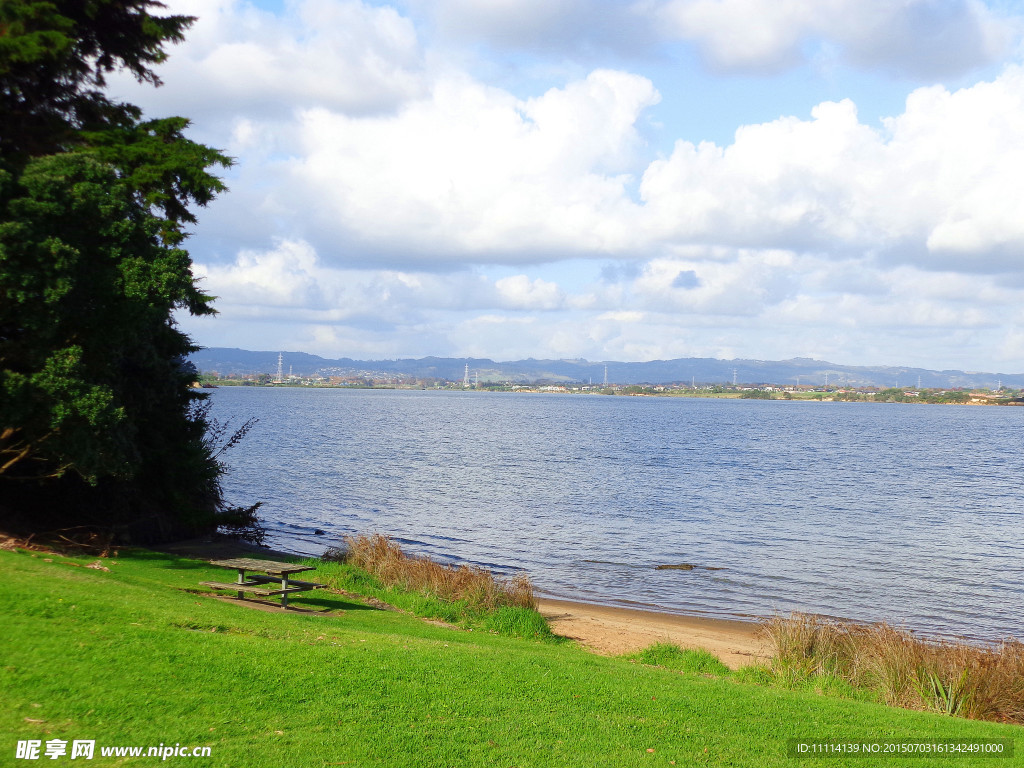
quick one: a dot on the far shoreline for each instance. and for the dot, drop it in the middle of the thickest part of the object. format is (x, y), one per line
(621, 390)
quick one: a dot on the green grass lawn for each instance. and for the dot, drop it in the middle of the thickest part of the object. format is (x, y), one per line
(135, 656)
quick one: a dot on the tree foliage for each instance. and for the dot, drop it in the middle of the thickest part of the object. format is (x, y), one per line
(54, 58)
(98, 423)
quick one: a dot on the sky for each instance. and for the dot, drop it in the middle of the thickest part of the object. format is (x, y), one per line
(610, 180)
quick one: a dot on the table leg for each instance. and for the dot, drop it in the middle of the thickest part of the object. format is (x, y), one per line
(241, 580)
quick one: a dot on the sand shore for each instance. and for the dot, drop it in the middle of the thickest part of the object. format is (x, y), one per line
(613, 630)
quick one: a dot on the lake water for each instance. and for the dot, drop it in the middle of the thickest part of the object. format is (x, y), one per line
(910, 514)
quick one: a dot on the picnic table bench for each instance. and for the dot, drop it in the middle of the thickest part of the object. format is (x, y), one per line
(275, 582)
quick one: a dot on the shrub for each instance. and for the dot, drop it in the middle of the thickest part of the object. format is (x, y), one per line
(953, 678)
(477, 587)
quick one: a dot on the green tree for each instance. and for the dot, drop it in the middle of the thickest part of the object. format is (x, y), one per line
(98, 423)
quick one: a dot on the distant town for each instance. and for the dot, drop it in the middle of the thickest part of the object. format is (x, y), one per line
(683, 375)
(471, 381)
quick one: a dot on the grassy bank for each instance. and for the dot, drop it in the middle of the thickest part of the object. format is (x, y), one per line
(135, 655)
(467, 596)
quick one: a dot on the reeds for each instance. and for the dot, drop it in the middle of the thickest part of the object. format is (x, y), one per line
(477, 587)
(984, 683)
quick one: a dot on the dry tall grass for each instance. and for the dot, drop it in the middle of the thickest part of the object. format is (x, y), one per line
(954, 678)
(384, 558)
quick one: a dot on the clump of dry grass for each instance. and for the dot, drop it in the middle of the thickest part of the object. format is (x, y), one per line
(903, 670)
(81, 540)
(384, 558)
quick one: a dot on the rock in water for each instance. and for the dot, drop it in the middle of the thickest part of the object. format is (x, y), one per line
(680, 567)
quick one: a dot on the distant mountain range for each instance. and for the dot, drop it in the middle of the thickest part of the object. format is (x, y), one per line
(799, 370)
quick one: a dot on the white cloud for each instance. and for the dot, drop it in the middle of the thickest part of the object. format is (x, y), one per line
(291, 279)
(747, 303)
(454, 170)
(919, 38)
(741, 287)
(965, 146)
(787, 182)
(519, 292)
(472, 172)
(937, 186)
(282, 277)
(236, 60)
(914, 38)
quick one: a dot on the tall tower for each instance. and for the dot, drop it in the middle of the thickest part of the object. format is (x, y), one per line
(606, 375)
(465, 377)
(280, 373)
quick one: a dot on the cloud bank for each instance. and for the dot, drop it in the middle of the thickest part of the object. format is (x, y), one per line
(392, 197)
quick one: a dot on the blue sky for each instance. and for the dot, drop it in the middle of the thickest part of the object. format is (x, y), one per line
(632, 180)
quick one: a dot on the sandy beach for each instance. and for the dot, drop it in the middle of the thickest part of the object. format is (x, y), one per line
(613, 630)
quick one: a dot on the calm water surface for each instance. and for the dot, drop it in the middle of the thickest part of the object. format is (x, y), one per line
(906, 513)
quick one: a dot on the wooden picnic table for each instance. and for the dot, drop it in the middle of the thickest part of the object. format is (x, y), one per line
(277, 580)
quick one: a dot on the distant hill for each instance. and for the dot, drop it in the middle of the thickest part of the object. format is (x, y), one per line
(702, 370)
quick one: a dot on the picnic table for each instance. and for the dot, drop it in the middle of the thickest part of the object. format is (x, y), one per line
(277, 580)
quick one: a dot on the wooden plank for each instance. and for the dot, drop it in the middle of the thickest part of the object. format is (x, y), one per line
(256, 590)
(259, 589)
(232, 584)
(266, 566)
(289, 590)
(273, 580)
